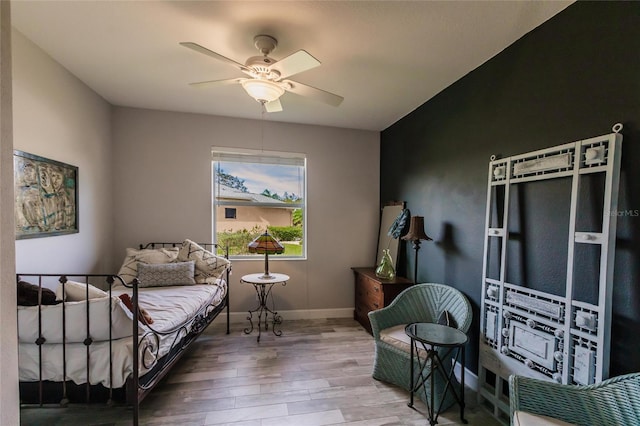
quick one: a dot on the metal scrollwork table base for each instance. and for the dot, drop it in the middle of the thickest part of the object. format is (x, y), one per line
(263, 287)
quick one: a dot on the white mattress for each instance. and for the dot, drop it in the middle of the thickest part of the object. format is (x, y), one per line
(168, 306)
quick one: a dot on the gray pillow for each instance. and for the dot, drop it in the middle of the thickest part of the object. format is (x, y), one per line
(165, 274)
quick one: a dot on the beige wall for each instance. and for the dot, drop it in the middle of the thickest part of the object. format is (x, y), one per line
(9, 412)
(57, 116)
(249, 217)
(162, 177)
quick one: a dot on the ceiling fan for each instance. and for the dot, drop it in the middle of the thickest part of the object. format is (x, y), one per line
(267, 79)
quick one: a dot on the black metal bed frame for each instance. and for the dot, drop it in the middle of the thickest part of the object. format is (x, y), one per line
(136, 387)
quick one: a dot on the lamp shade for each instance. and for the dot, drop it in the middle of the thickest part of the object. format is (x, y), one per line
(262, 90)
(265, 244)
(416, 230)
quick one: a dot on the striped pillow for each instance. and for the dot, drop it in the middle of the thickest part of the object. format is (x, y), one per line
(208, 265)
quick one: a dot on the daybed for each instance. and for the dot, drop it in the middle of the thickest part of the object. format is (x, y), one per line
(174, 290)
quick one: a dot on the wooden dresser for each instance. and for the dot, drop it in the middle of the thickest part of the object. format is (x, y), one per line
(374, 293)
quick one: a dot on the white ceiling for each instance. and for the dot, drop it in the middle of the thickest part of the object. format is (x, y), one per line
(385, 58)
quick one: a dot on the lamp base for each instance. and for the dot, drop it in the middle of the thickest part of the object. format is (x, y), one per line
(266, 276)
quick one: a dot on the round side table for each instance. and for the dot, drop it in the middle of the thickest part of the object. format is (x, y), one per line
(430, 337)
(263, 287)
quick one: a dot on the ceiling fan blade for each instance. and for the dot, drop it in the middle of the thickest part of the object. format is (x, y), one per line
(295, 63)
(211, 53)
(312, 92)
(214, 83)
(273, 106)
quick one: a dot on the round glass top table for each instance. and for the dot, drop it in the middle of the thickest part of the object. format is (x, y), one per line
(263, 285)
(432, 339)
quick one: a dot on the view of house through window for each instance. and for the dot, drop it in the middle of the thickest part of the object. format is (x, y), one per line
(257, 191)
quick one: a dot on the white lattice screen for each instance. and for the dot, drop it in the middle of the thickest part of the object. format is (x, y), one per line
(526, 329)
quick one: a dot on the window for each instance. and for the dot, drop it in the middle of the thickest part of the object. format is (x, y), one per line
(255, 191)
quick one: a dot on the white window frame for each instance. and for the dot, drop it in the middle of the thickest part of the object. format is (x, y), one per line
(243, 155)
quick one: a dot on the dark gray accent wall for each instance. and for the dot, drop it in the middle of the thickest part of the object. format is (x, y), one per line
(569, 79)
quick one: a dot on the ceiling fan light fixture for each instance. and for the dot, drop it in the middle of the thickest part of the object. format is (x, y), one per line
(268, 76)
(262, 90)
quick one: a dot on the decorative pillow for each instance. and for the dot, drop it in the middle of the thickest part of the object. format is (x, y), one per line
(75, 317)
(208, 265)
(143, 315)
(129, 268)
(28, 295)
(77, 292)
(163, 274)
(446, 319)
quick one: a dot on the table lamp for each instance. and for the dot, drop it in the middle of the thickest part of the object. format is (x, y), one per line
(265, 244)
(416, 234)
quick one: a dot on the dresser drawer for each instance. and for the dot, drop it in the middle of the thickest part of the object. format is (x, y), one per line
(369, 289)
(368, 305)
(372, 302)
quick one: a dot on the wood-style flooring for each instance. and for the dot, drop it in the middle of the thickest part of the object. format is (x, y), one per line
(317, 373)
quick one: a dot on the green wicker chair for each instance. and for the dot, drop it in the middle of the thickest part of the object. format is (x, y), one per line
(615, 401)
(419, 303)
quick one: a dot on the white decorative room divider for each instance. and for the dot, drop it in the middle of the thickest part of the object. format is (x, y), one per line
(546, 313)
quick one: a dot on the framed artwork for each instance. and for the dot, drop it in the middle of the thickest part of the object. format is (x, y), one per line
(46, 196)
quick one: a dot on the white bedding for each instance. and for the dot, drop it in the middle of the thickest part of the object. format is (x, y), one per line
(168, 307)
(75, 318)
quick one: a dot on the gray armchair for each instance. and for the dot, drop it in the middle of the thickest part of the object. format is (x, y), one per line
(612, 402)
(419, 303)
